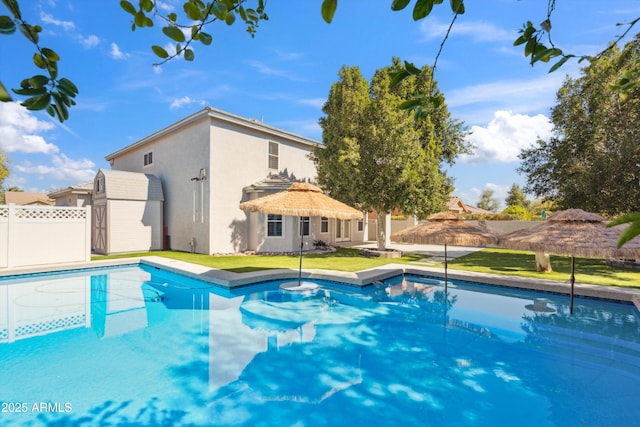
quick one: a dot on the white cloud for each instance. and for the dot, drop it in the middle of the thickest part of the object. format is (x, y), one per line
(89, 41)
(19, 129)
(185, 100)
(478, 31)
(505, 136)
(62, 168)
(270, 71)
(313, 102)
(49, 19)
(116, 53)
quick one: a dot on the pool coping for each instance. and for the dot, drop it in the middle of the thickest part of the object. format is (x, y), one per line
(361, 278)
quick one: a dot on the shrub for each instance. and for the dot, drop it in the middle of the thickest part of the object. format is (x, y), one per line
(517, 212)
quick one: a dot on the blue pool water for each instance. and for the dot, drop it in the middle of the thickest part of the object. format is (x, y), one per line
(141, 346)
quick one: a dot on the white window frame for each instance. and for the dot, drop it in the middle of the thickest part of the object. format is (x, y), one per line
(273, 155)
(324, 225)
(270, 218)
(148, 159)
(301, 226)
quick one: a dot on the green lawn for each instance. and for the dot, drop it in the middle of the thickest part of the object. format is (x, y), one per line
(495, 261)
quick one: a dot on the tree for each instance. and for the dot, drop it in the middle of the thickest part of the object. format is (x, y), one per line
(592, 161)
(487, 201)
(377, 157)
(515, 197)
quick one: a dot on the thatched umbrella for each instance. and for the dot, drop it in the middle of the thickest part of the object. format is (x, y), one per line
(446, 228)
(572, 232)
(301, 199)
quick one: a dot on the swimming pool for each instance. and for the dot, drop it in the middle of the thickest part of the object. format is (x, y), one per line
(136, 345)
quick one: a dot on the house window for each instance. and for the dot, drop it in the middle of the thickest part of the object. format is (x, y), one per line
(273, 155)
(148, 158)
(274, 225)
(324, 224)
(304, 226)
(360, 225)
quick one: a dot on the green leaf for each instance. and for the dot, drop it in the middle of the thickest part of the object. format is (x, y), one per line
(7, 26)
(29, 32)
(174, 33)
(13, 7)
(68, 86)
(4, 94)
(62, 111)
(192, 11)
(30, 91)
(421, 9)
(39, 61)
(38, 81)
(50, 54)
(219, 10)
(560, 63)
(328, 9)
(146, 5)
(398, 76)
(128, 7)
(172, 17)
(189, 55)
(530, 47)
(242, 13)
(230, 19)
(457, 6)
(630, 217)
(399, 4)
(160, 52)
(37, 102)
(205, 38)
(629, 233)
(411, 103)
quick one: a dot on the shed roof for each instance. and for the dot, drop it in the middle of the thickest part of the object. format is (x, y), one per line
(83, 188)
(124, 185)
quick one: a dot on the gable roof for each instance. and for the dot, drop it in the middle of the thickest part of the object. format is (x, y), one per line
(213, 114)
(84, 188)
(26, 198)
(123, 185)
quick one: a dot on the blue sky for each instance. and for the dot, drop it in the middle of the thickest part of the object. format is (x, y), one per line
(284, 74)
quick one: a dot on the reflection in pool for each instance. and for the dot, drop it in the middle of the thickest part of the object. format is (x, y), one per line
(138, 345)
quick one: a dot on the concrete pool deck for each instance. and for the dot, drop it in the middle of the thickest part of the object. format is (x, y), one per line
(361, 278)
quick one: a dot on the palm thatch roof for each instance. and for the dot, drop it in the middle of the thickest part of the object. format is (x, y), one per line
(446, 228)
(572, 232)
(301, 199)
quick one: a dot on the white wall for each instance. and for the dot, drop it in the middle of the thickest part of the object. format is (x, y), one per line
(239, 158)
(134, 226)
(36, 235)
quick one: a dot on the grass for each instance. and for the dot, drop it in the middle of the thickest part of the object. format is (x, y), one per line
(519, 263)
(495, 261)
(343, 259)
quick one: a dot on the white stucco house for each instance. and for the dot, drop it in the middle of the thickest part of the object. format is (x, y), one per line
(210, 162)
(75, 195)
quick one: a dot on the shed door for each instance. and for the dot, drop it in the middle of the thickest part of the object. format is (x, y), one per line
(100, 228)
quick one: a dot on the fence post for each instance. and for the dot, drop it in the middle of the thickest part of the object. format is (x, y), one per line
(87, 234)
(11, 234)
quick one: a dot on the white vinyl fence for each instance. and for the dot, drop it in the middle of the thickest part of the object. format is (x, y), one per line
(37, 235)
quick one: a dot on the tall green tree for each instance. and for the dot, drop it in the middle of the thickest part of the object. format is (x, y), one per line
(377, 157)
(515, 197)
(593, 160)
(487, 201)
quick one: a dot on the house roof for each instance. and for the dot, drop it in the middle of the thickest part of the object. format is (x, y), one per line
(84, 188)
(456, 204)
(215, 115)
(123, 185)
(271, 183)
(25, 198)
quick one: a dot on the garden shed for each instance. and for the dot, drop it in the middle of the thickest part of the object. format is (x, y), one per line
(127, 212)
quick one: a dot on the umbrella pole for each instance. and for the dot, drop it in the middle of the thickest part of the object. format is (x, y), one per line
(573, 280)
(300, 263)
(445, 268)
